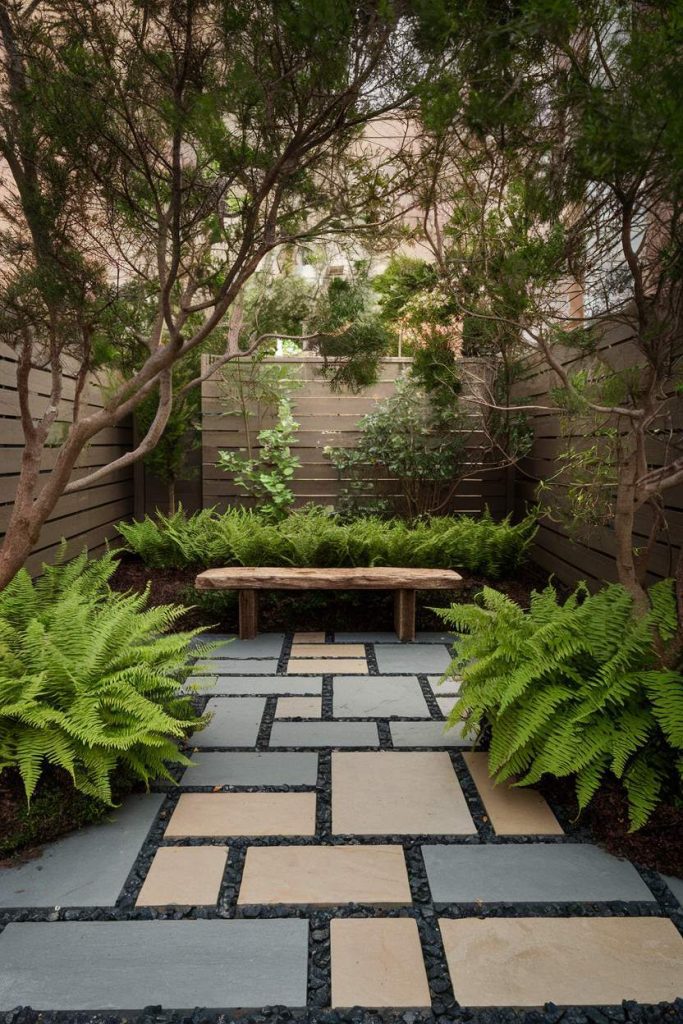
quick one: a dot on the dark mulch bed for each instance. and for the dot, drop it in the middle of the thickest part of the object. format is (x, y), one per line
(56, 808)
(658, 845)
(315, 610)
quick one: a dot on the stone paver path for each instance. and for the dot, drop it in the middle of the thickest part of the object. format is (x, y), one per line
(331, 847)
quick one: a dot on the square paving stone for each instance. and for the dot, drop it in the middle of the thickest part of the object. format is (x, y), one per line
(325, 875)
(87, 868)
(397, 793)
(414, 658)
(389, 637)
(530, 873)
(377, 962)
(428, 734)
(566, 961)
(184, 876)
(513, 811)
(265, 645)
(328, 651)
(243, 814)
(446, 705)
(448, 688)
(246, 769)
(299, 707)
(127, 965)
(328, 666)
(265, 685)
(378, 697)
(236, 667)
(309, 638)
(676, 886)
(324, 734)
(235, 723)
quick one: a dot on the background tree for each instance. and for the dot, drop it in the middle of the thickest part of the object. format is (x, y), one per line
(170, 146)
(558, 147)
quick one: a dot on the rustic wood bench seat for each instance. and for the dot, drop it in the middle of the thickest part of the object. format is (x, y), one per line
(404, 582)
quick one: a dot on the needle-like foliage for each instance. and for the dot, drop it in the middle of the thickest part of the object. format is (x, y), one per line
(89, 679)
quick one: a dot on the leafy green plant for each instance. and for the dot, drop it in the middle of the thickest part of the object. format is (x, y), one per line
(89, 679)
(313, 537)
(268, 475)
(576, 689)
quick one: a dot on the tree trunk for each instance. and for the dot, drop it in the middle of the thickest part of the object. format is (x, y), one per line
(624, 520)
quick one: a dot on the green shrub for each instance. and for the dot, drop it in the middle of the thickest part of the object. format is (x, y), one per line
(314, 538)
(88, 680)
(576, 689)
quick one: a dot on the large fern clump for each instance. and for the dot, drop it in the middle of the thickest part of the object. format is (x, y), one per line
(89, 679)
(577, 689)
(312, 537)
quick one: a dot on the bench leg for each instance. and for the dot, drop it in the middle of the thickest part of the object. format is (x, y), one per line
(248, 614)
(404, 615)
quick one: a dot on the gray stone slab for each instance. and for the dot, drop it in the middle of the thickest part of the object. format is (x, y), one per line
(269, 769)
(378, 697)
(265, 645)
(87, 868)
(235, 723)
(252, 686)
(414, 658)
(530, 873)
(127, 965)
(235, 667)
(427, 734)
(324, 734)
(449, 687)
(390, 637)
(676, 886)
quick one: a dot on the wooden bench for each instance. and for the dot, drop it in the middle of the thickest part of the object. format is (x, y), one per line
(404, 583)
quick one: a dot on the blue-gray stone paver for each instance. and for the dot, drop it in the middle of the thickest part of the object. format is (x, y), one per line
(265, 645)
(253, 686)
(392, 638)
(235, 723)
(127, 965)
(427, 734)
(324, 734)
(247, 769)
(378, 697)
(87, 868)
(235, 667)
(531, 873)
(448, 688)
(676, 886)
(413, 658)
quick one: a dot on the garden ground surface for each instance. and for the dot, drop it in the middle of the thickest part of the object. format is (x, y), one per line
(330, 848)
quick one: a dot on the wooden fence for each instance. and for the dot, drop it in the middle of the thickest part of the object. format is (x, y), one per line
(325, 418)
(86, 518)
(581, 555)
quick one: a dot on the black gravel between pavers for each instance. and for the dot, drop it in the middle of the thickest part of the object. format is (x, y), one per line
(426, 913)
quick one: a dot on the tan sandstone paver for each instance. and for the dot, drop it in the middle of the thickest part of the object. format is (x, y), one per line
(299, 707)
(328, 650)
(377, 962)
(325, 875)
(309, 638)
(567, 961)
(184, 876)
(329, 666)
(243, 814)
(397, 793)
(512, 811)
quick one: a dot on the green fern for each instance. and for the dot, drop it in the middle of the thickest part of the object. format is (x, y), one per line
(89, 679)
(312, 537)
(574, 689)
